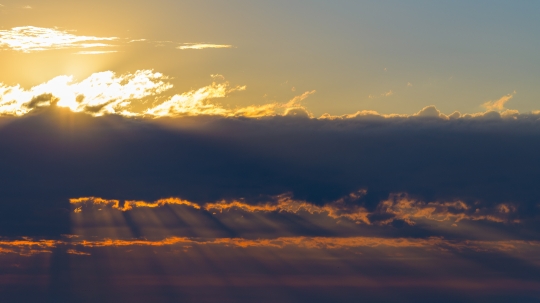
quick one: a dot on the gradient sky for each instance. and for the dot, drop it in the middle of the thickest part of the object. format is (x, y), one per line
(387, 56)
(269, 151)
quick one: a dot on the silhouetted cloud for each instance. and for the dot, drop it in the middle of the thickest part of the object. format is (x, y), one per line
(412, 168)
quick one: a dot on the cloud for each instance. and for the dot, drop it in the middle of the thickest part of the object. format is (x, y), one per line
(402, 207)
(396, 207)
(430, 112)
(464, 169)
(30, 246)
(108, 93)
(498, 105)
(196, 102)
(99, 94)
(202, 46)
(129, 205)
(385, 94)
(295, 102)
(29, 39)
(95, 52)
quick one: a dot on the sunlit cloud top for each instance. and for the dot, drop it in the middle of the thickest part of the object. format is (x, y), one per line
(101, 93)
(108, 93)
(32, 39)
(203, 46)
(141, 95)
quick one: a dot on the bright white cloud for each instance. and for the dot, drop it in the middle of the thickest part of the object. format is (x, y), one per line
(95, 52)
(101, 93)
(32, 39)
(202, 46)
(196, 102)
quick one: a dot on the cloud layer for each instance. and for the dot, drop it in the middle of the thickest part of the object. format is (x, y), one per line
(108, 93)
(445, 206)
(409, 169)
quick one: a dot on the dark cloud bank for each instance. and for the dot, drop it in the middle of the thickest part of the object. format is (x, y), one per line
(54, 155)
(489, 163)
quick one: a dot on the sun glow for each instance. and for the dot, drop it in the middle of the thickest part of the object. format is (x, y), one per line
(108, 93)
(101, 93)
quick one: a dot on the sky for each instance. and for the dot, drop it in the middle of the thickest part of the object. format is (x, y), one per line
(269, 151)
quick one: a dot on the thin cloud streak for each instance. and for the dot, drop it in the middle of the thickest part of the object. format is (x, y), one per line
(28, 39)
(198, 46)
(95, 52)
(28, 246)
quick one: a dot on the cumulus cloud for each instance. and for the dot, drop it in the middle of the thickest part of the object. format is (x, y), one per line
(29, 39)
(430, 112)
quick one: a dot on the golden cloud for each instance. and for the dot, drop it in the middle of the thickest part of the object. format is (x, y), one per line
(498, 105)
(29, 247)
(108, 93)
(196, 102)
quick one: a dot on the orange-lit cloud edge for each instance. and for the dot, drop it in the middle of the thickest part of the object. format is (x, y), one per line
(28, 246)
(396, 207)
(106, 93)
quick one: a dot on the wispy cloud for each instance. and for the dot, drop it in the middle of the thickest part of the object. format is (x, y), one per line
(202, 46)
(385, 94)
(295, 102)
(499, 104)
(29, 39)
(196, 102)
(95, 52)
